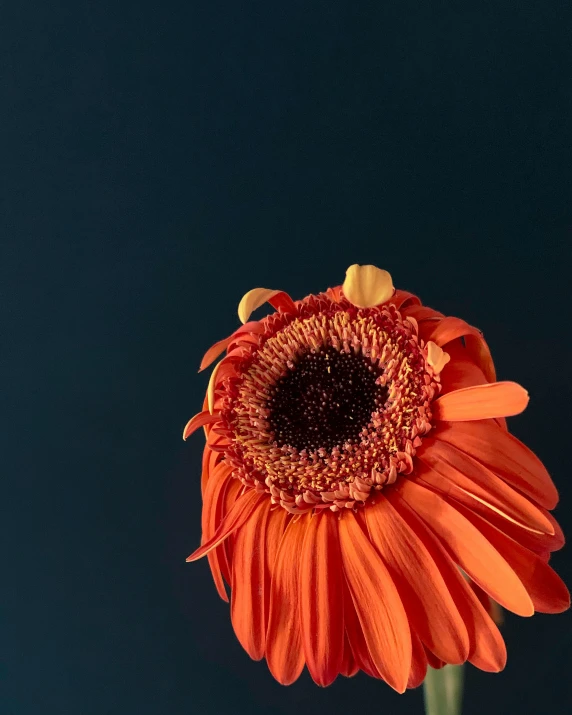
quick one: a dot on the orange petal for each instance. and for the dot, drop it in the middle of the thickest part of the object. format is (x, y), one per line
(547, 590)
(479, 483)
(377, 603)
(241, 511)
(470, 548)
(213, 352)
(321, 604)
(461, 371)
(258, 296)
(249, 583)
(349, 666)
(418, 662)
(211, 517)
(443, 331)
(481, 355)
(202, 418)
(421, 313)
(487, 648)
(284, 651)
(504, 455)
(403, 300)
(278, 519)
(355, 637)
(367, 286)
(481, 402)
(429, 606)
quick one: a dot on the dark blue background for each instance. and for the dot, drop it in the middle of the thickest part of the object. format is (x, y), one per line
(158, 160)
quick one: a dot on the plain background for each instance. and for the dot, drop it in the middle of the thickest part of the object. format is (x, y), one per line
(159, 160)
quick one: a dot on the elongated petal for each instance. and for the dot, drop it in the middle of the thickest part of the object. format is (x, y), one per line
(349, 667)
(258, 296)
(429, 606)
(355, 637)
(213, 352)
(418, 662)
(546, 588)
(443, 331)
(249, 583)
(367, 286)
(378, 605)
(487, 649)
(504, 455)
(470, 548)
(202, 418)
(284, 651)
(481, 402)
(243, 508)
(211, 516)
(278, 519)
(321, 600)
(479, 483)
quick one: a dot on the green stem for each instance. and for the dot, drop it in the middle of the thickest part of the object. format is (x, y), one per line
(443, 690)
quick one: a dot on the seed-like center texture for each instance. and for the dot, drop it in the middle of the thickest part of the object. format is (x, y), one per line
(326, 401)
(329, 406)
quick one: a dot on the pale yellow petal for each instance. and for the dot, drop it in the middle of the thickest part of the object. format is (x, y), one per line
(436, 357)
(253, 300)
(367, 286)
(211, 387)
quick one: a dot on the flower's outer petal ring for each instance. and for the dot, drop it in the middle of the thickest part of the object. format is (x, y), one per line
(241, 511)
(367, 286)
(471, 550)
(504, 455)
(249, 583)
(321, 599)
(258, 296)
(284, 652)
(377, 603)
(428, 603)
(481, 402)
(199, 420)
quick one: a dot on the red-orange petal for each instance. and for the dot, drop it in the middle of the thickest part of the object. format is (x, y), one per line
(377, 603)
(487, 648)
(321, 600)
(241, 511)
(349, 667)
(471, 550)
(418, 662)
(428, 603)
(547, 590)
(214, 351)
(202, 418)
(249, 583)
(284, 651)
(478, 485)
(443, 331)
(355, 637)
(504, 455)
(481, 402)
(211, 516)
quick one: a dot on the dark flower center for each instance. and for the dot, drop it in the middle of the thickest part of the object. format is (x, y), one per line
(325, 400)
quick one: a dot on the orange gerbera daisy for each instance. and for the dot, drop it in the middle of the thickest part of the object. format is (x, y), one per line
(362, 496)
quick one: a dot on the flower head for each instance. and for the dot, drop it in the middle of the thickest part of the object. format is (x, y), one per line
(362, 496)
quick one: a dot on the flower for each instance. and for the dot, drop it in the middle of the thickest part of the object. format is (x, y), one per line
(362, 496)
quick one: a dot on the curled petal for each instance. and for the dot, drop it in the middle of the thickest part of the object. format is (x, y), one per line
(367, 286)
(202, 418)
(258, 296)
